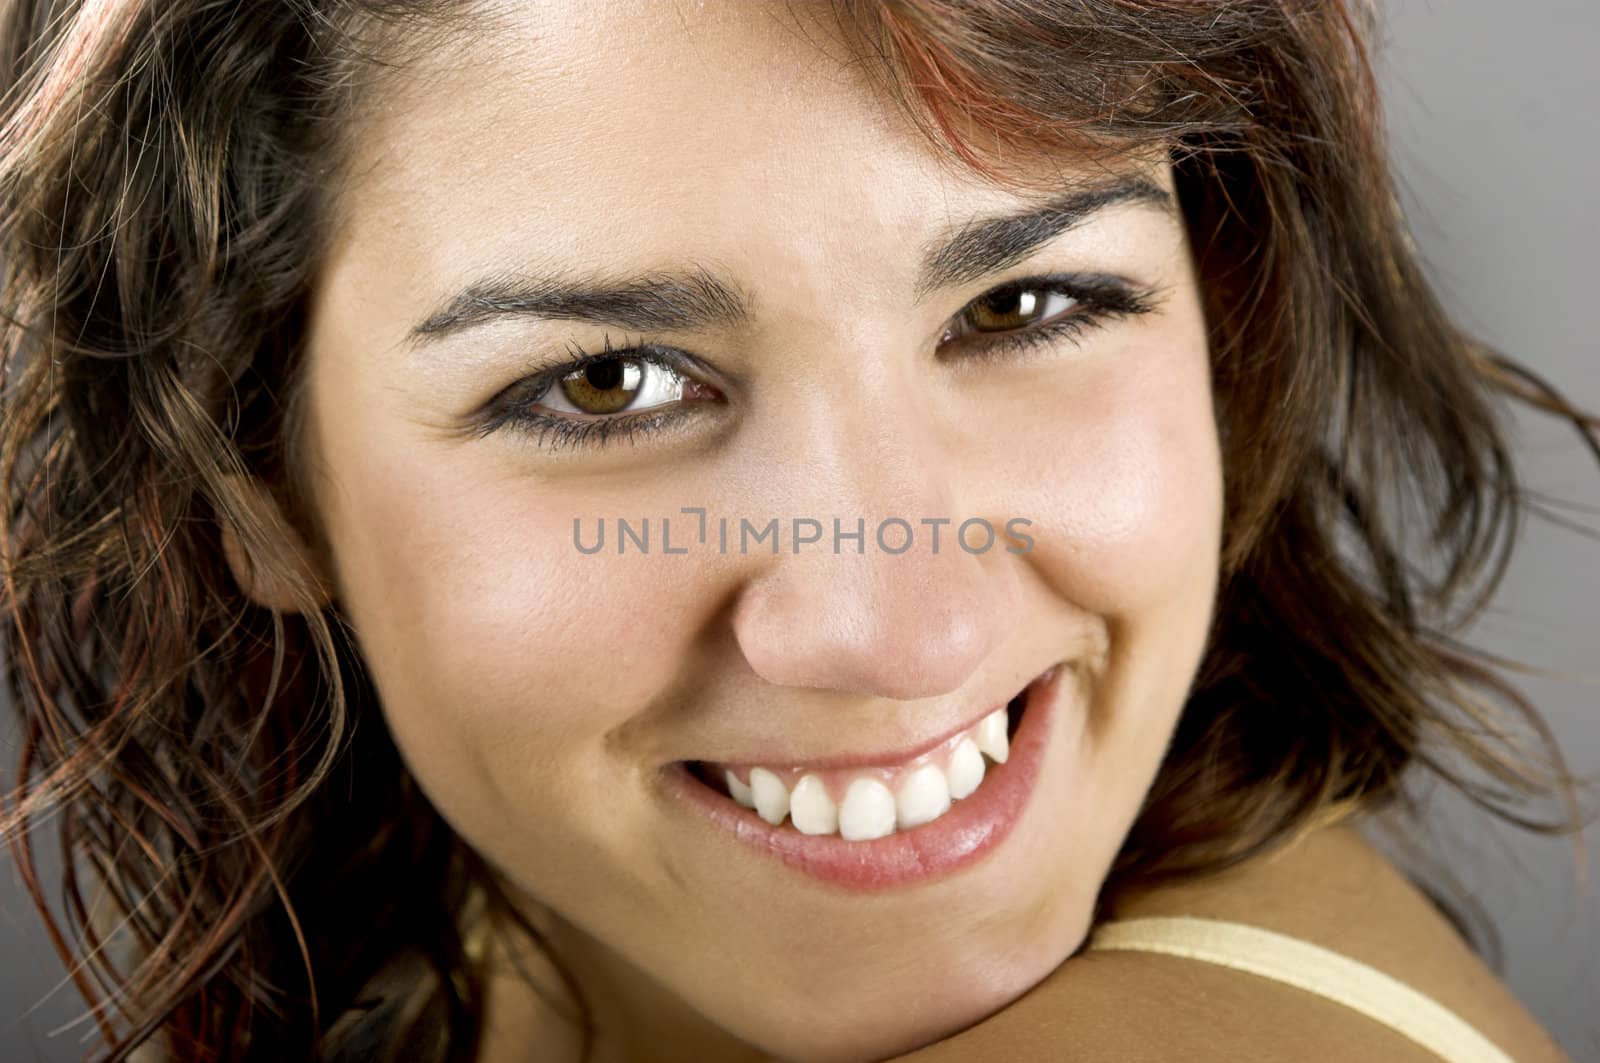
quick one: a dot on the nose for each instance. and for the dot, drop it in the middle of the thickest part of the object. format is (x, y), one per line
(905, 626)
(910, 613)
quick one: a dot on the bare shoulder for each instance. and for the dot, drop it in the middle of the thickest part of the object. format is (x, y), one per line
(1331, 888)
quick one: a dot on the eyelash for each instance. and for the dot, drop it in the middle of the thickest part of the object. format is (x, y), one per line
(1100, 300)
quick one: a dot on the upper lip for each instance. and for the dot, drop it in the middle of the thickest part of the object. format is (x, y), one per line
(877, 758)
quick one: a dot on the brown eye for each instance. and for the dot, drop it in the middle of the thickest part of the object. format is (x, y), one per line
(1012, 307)
(611, 385)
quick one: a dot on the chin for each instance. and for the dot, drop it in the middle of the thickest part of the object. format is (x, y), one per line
(867, 1026)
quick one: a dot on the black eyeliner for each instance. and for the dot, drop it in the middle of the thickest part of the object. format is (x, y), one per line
(1103, 297)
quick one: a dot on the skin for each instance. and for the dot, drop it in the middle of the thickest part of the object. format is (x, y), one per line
(537, 693)
(1329, 887)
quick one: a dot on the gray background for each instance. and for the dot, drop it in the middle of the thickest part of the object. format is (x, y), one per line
(1491, 111)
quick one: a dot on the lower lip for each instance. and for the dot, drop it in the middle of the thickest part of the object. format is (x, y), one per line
(972, 828)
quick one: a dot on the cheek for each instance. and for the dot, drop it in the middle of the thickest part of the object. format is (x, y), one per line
(1126, 488)
(485, 627)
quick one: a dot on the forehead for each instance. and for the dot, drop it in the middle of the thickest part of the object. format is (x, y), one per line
(558, 135)
(578, 116)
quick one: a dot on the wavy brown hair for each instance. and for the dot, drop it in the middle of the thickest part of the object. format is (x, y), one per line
(166, 177)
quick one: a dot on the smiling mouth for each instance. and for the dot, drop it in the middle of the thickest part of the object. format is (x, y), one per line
(865, 803)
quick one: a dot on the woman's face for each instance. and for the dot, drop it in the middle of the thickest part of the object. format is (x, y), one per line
(789, 245)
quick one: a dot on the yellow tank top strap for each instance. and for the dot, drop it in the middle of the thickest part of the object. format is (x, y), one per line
(1310, 967)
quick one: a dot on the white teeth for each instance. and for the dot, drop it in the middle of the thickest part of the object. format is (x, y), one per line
(811, 809)
(991, 736)
(923, 797)
(770, 796)
(870, 809)
(966, 769)
(738, 790)
(867, 811)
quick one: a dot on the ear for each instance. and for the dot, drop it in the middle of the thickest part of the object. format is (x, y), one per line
(269, 559)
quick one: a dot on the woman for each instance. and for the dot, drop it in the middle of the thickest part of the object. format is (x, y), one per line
(743, 531)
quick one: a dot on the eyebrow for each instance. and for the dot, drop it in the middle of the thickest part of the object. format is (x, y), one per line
(698, 299)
